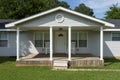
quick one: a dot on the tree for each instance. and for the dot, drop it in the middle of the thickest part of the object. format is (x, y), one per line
(64, 4)
(113, 12)
(56, 3)
(82, 8)
(17, 9)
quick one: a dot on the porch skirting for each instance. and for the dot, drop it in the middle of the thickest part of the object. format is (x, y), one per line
(34, 63)
(78, 63)
(75, 62)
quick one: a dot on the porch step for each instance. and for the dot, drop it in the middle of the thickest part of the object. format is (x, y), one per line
(60, 64)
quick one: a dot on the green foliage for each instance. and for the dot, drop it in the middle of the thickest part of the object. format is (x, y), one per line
(17, 9)
(56, 3)
(113, 12)
(82, 8)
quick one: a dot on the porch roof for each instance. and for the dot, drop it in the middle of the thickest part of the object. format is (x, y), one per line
(62, 9)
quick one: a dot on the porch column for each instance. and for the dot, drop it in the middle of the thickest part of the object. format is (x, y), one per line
(101, 43)
(17, 43)
(51, 43)
(69, 43)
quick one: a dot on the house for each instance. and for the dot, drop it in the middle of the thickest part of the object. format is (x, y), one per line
(60, 31)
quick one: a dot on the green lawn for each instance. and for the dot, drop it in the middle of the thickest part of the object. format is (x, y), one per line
(8, 71)
(112, 63)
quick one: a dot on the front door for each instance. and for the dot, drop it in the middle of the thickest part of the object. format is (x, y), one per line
(60, 42)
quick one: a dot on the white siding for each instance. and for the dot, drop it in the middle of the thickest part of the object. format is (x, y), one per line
(11, 49)
(111, 48)
(94, 43)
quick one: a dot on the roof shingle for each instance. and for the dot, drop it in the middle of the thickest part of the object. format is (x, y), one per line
(114, 21)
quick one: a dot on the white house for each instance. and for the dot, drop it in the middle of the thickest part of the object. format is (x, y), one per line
(60, 31)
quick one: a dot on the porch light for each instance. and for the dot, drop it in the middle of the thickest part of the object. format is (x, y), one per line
(60, 35)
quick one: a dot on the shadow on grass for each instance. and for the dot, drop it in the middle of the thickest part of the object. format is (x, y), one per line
(111, 61)
(6, 59)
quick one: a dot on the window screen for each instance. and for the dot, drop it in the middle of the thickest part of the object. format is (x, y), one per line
(116, 36)
(3, 39)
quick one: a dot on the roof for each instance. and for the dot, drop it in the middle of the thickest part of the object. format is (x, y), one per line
(5, 21)
(62, 9)
(114, 21)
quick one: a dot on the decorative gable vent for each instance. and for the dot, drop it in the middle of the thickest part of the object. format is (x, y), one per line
(59, 18)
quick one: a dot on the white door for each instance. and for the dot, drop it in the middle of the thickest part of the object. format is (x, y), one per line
(60, 42)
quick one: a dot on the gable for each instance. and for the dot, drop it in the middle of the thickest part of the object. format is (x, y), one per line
(50, 20)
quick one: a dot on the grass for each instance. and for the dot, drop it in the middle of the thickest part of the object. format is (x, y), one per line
(8, 71)
(112, 63)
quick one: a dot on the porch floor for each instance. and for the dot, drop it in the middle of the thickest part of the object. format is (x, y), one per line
(63, 55)
(61, 58)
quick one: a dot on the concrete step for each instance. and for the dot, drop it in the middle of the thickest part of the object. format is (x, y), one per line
(60, 64)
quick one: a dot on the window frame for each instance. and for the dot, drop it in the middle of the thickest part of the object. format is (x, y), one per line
(6, 39)
(86, 39)
(78, 39)
(113, 36)
(43, 38)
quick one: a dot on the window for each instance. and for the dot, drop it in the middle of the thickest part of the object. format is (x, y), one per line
(41, 38)
(74, 38)
(80, 38)
(116, 36)
(38, 39)
(3, 39)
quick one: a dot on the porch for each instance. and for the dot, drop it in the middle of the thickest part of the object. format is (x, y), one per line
(76, 60)
(61, 40)
(61, 47)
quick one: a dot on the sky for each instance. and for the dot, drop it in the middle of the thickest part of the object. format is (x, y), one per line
(99, 6)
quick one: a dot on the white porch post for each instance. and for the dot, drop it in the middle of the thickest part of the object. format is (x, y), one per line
(51, 43)
(69, 43)
(101, 43)
(17, 43)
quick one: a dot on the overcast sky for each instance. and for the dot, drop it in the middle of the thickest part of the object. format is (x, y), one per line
(99, 6)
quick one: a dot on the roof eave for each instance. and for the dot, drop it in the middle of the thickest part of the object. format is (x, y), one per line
(9, 25)
(109, 25)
